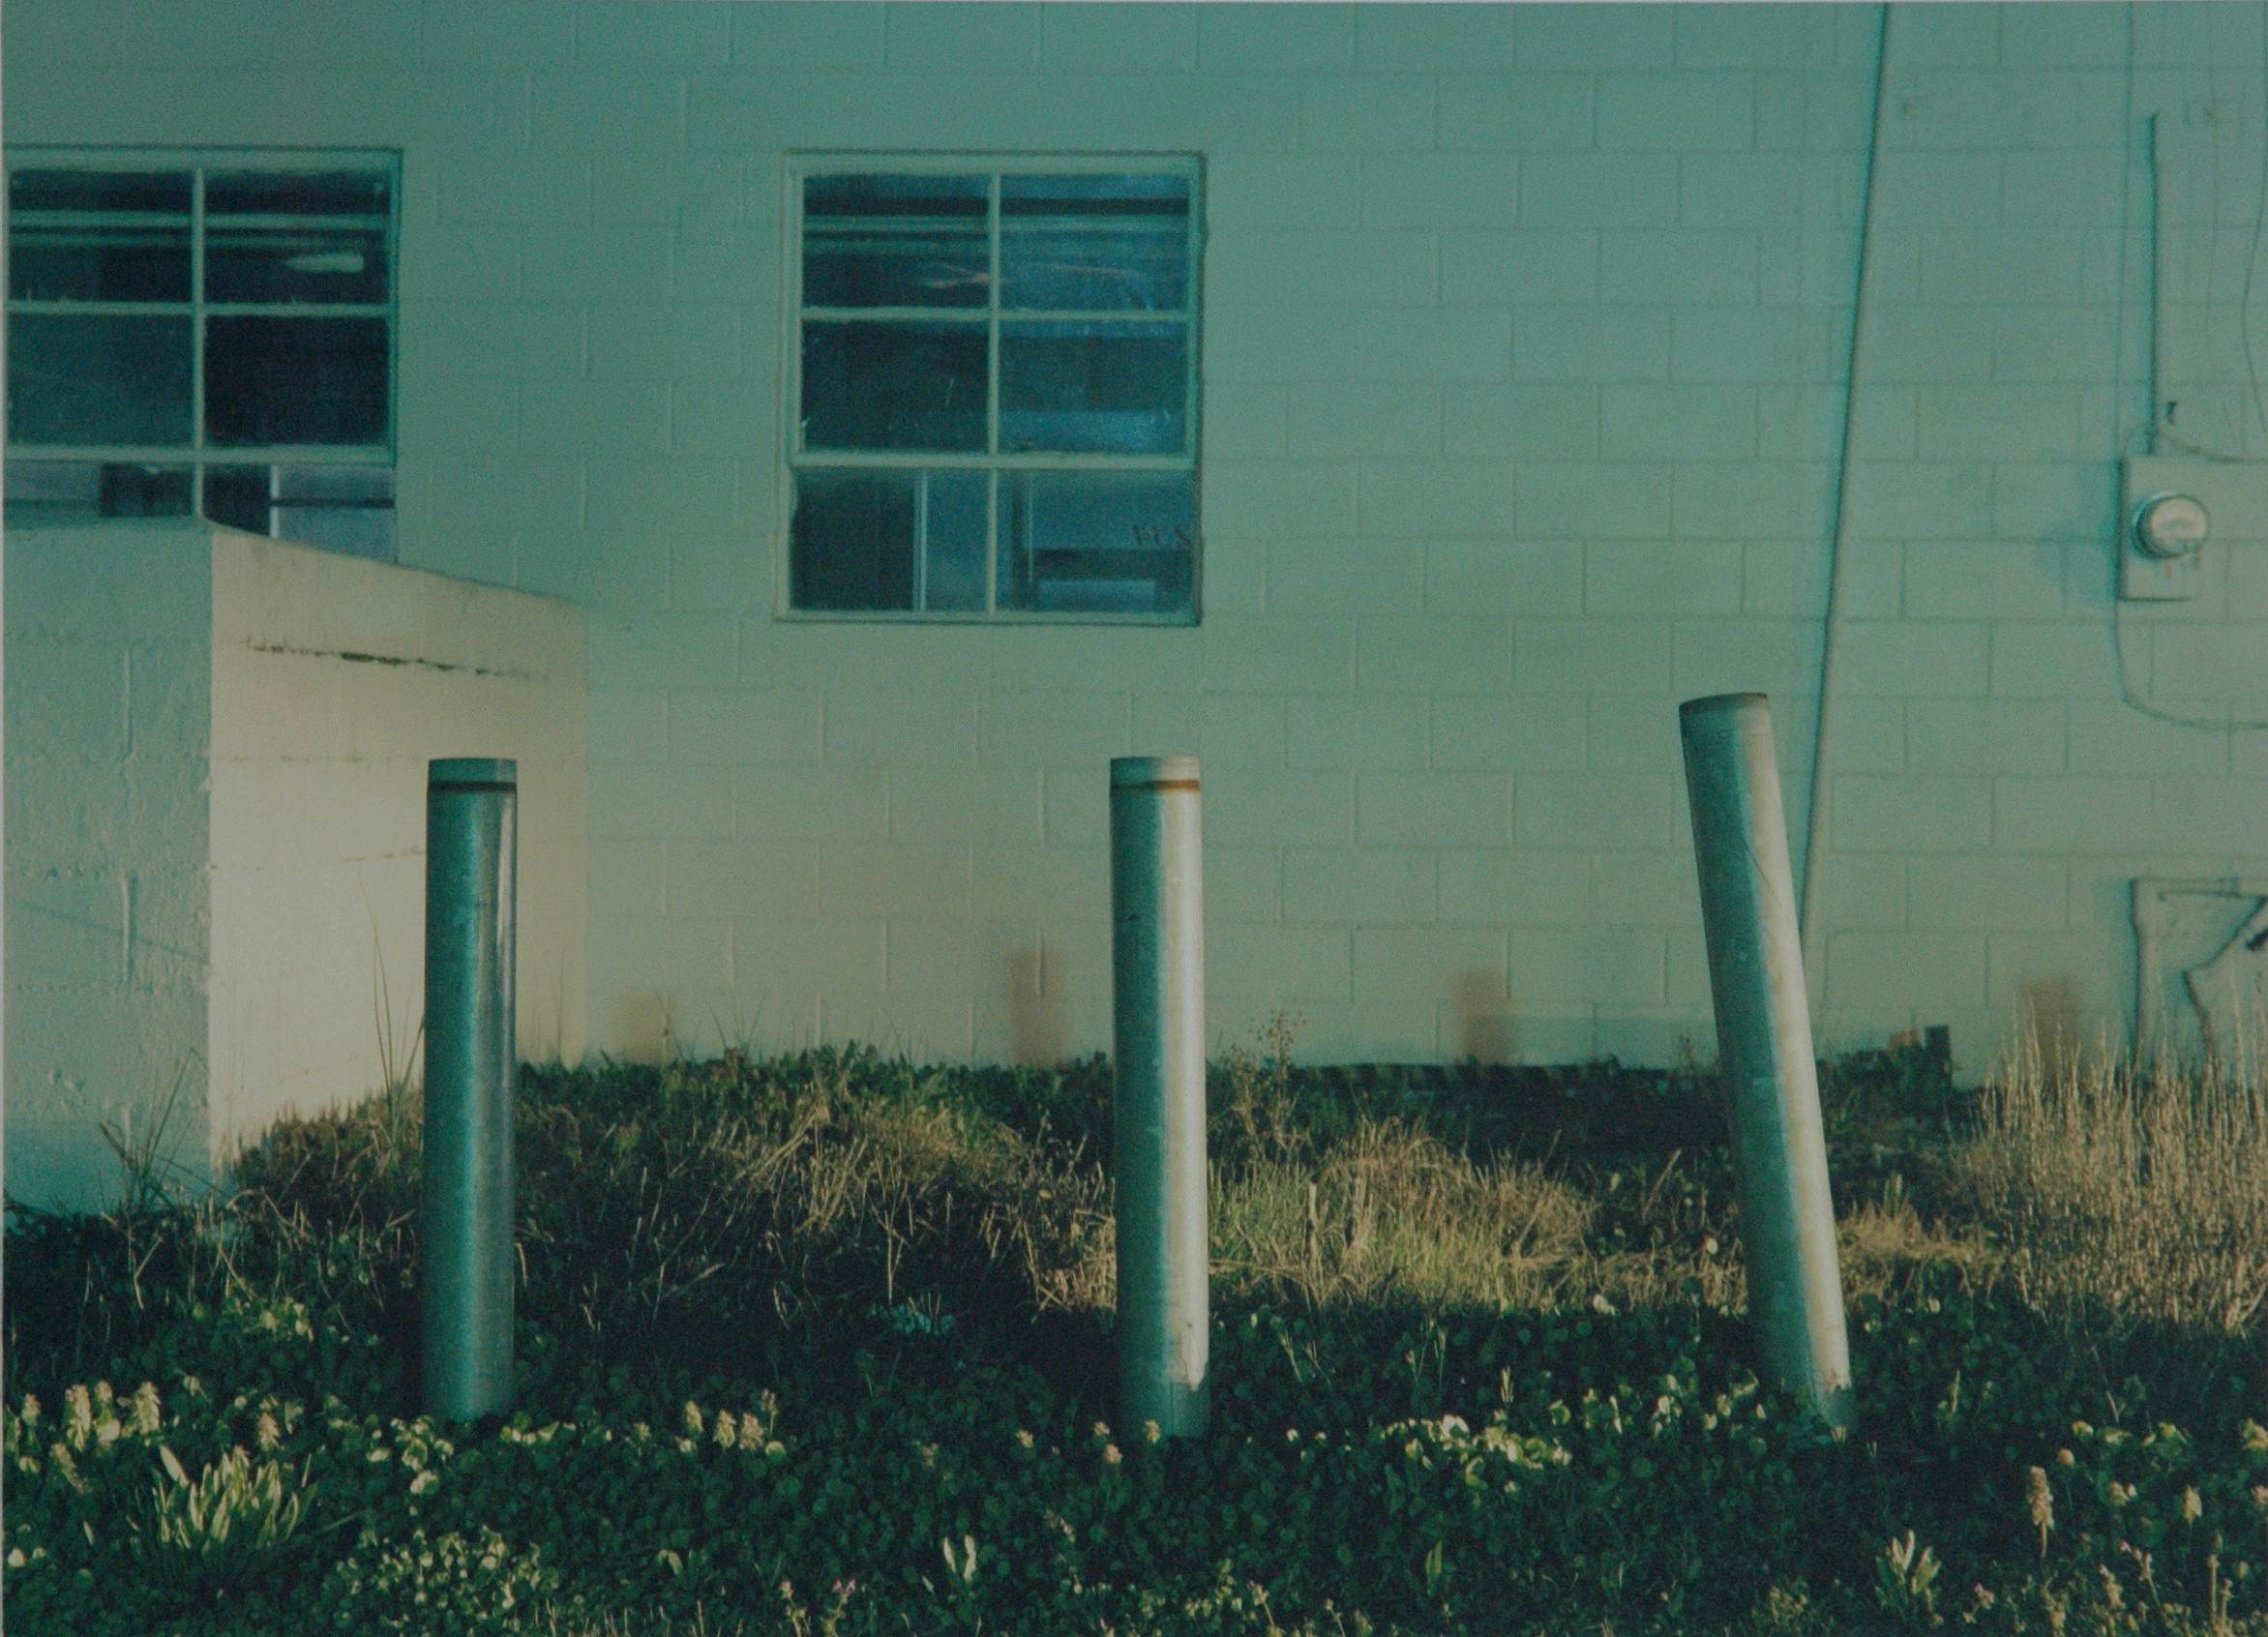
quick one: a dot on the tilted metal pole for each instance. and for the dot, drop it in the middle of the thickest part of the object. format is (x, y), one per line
(1764, 1040)
(471, 834)
(1158, 967)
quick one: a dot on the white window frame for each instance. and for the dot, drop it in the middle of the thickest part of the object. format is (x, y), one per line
(197, 454)
(798, 167)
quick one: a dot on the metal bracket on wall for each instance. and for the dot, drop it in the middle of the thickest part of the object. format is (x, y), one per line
(2227, 987)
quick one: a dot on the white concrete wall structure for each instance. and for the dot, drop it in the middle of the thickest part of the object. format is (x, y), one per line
(334, 681)
(110, 674)
(1524, 340)
(215, 764)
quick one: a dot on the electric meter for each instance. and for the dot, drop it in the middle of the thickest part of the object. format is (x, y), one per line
(2171, 525)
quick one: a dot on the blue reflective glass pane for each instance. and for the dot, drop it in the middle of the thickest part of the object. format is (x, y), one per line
(352, 531)
(949, 541)
(276, 237)
(98, 235)
(879, 541)
(895, 241)
(1095, 243)
(80, 490)
(893, 385)
(295, 380)
(1098, 542)
(98, 378)
(1093, 385)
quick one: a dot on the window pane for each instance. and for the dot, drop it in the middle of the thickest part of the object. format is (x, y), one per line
(347, 508)
(295, 380)
(336, 486)
(1094, 241)
(98, 236)
(98, 378)
(355, 531)
(1097, 542)
(895, 241)
(273, 237)
(889, 540)
(73, 490)
(239, 496)
(1089, 385)
(949, 541)
(893, 386)
(53, 490)
(145, 491)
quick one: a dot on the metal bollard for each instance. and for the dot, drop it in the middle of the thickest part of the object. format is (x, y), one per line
(1764, 1038)
(1158, 967)
(471, 834)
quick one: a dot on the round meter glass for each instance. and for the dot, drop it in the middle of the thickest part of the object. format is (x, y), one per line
(2171, 525)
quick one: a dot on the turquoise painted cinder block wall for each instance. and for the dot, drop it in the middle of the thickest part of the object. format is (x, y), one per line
(1524, 340)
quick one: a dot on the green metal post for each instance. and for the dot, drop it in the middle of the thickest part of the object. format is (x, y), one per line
(1764, 1040)
(471, 834)
(1158, 919)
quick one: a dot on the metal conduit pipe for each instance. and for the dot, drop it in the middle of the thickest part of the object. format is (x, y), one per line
(467, 1253)
(1157, 969)
(1764, 1040)
(1838, 556)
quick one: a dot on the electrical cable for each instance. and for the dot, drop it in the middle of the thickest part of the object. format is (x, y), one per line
(2158, 436)
(2157, 260)
(1838, 556)
(2253, 258)
(2121, 437)
(2154, 430)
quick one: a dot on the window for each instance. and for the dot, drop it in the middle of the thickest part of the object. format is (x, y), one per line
(991, 387)
(204, 335)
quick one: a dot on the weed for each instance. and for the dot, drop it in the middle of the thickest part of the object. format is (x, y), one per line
(151, 1173)
(2123, 1191)
(1480, 1353)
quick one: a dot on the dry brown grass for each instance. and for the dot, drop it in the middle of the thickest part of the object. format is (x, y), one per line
(2085, 1185)
(2139, 1193)
(1393, 1212)
(1881, 1240)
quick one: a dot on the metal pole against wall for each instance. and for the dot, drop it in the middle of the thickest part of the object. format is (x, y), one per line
(1764, 1040)
(1157, 965)
(471, 834)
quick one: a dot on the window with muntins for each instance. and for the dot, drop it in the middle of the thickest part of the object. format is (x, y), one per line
(991, 387)
(204, 334)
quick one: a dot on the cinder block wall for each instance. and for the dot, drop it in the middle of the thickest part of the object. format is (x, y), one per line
(333, 682)
(109, 670)
(216, 771)
(1524, 333)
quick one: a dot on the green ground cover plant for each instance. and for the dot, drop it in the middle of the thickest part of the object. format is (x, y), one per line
(821, 1344)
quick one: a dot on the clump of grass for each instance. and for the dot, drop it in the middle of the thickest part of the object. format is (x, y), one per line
(710, 1215)
(746, 1196)
(1884, 1240)
(2116, 1188)
(713, 1210)
(1260, 1116)
(800, 1232)
(1393, 1212)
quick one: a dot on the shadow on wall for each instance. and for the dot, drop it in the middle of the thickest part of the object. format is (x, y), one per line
(2053, 1018)
(644, 1029)
(1482, 1015)
(1038, 1027)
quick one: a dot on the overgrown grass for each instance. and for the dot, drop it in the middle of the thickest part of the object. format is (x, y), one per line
(804, 1341)
(2108, 1187)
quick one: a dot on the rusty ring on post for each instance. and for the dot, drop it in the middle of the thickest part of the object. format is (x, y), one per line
(1154, 773)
